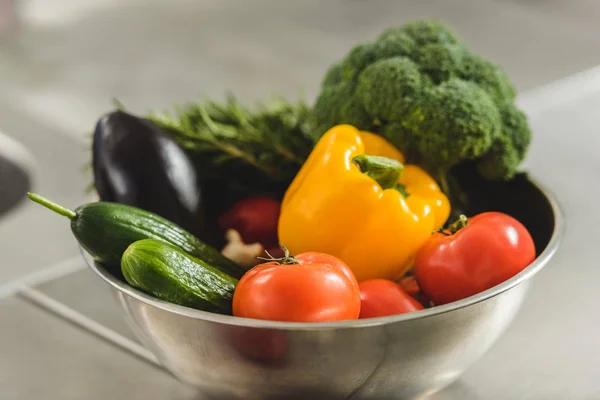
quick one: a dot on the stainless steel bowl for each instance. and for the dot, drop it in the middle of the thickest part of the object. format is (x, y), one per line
(398, 357)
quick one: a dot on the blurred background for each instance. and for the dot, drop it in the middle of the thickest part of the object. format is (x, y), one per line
(63, 61)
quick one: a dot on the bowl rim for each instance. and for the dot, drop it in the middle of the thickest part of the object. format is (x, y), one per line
(532, 269)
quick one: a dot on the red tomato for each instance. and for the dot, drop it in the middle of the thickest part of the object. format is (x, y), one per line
(381, 297)
(255, 218)
(313, 257)
(490, 249)
(410, 285)
(314, 287)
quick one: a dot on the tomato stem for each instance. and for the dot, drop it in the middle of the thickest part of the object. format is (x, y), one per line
(287, 259)
(460, 223)
(456, 226)
(442, 231)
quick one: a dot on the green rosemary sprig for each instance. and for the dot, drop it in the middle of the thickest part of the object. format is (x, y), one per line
(274, 139)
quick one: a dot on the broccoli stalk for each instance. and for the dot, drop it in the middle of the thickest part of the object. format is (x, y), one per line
(441, 105)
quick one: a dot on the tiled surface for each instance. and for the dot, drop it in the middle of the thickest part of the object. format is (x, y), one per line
(44, 358)
(87, 294)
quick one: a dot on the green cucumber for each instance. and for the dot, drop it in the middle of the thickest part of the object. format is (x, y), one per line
(168, 273)
(106, 229)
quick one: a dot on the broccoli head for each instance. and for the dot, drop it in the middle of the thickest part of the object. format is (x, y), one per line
(420, 87)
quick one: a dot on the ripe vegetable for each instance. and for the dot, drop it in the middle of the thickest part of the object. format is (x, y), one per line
(473, 256)
(360, 208)
(381, 297)
(106, 229)
(168, 273)
(311, 287)
(135, 163)
(255, 219)
(379, 146)
(410, 285)
(424, 90)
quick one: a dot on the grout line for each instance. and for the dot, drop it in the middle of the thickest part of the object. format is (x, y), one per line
(46, 274)
(88, 324)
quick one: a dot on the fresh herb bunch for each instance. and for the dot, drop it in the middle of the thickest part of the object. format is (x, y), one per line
(253, 150)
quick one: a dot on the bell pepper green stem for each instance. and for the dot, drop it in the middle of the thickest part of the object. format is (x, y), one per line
(383, 170)
(52, 206)
(402, 189)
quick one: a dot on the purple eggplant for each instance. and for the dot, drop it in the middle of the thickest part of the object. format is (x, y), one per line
(136, 163)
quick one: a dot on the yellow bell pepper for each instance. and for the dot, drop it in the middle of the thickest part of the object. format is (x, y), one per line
(378, 146)
(371, 212)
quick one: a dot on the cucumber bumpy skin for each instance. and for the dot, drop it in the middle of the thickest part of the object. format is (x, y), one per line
(168, 273)
(106, 229)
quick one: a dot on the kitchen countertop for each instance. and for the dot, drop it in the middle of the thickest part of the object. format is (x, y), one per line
(61, 336)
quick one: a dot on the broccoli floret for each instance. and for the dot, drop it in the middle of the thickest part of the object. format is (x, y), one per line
(420, 87)
(424, 32)
(510, 147)
(347, 107)
(389, 88)
(489, 76)
(460, 116)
